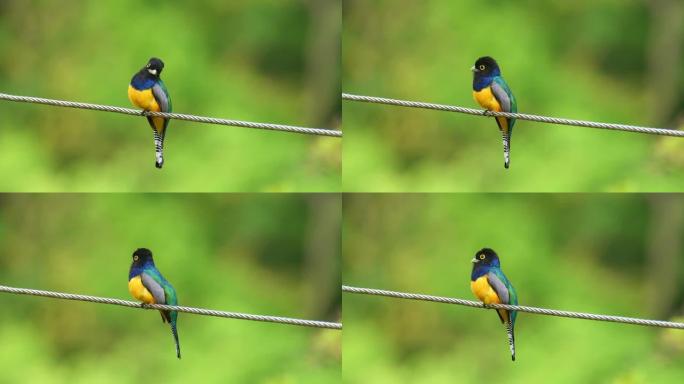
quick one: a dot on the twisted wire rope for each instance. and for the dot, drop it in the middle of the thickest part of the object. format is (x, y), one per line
(177, 116)
(193, 310)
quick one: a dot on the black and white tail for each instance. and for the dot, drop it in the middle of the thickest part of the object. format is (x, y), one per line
(507, 148)
(158, 149)
(175, 338)
(511, 339)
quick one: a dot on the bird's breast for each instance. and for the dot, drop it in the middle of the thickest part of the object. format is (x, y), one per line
(138, 290)
(483, 291)
(486, 99)
(143, 99)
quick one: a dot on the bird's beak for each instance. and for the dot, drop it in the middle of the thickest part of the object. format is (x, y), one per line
(473, 69)
(474, 260)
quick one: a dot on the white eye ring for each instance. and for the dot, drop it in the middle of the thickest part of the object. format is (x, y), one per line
(482, 67)
(135, 257)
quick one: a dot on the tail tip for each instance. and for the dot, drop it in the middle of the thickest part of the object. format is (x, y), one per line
(506, 164)
(512, 357)
(158, 159)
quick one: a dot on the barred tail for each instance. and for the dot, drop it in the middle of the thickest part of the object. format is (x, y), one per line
(175, 337)
(507, 148)
(511, 338)
(158, 149)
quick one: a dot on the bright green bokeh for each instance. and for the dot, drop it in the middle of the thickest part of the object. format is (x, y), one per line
(609, 254)
(577, 59)
(253, 61)
(259, 254)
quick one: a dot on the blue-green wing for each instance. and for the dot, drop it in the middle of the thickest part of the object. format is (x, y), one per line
(511, 295)
(156, 280)
(510, 291)
(161, 95)
(159, 281)
(514, 301)
(498, 284)
(171, 299)
(155, 288)
(502, 93)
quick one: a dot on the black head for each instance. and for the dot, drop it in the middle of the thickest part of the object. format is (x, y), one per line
(486, 66)
(142, 256)
(154, 67)
(486, 256)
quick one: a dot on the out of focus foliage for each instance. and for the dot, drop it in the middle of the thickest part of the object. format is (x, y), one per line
(605, 254)
(609, 60)
(259, 61)
(268, 254)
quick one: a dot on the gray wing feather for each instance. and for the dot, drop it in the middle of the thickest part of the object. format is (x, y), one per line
(499, 287)
(161, 97)
(155, 289)
(501, 96)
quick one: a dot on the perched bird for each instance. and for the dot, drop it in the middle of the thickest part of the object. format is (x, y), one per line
(492, 93)
(148, 92)
(491, 286)
(146, 283)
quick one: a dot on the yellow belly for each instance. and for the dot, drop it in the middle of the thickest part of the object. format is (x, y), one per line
(138, 291)
(483, 291)
(143, 99)
(486, 99)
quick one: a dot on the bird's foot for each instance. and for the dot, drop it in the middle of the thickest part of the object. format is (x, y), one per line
(486, 306)
(143, 113)
(486, 112)
(143, 305)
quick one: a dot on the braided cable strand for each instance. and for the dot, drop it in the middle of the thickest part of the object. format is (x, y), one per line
(521, 308)
(177, 116)
(193, 310)
(521, 116)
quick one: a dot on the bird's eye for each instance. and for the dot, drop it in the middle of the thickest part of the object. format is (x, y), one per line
(482, 67)
(135, 257)
(482, 256)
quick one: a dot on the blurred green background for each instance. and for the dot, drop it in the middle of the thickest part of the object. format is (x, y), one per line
(262, 60)
(610, 60)
(259, 254)
(608, 254)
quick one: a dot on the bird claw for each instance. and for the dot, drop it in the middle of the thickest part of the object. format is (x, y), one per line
(143, 305)
(143, 113)
(486, 112)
